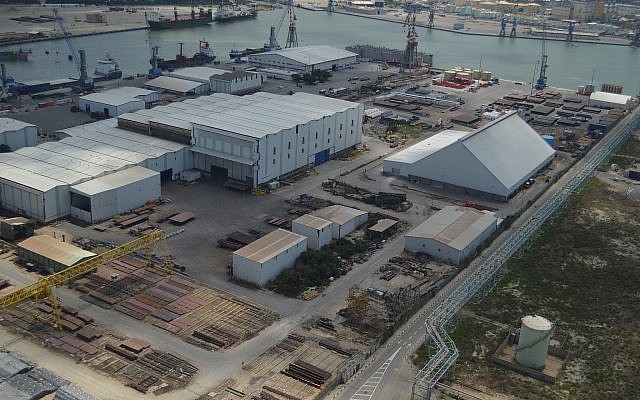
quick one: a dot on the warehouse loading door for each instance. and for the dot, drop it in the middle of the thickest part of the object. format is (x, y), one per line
(219, 174)
(322, 157)
(166, 175)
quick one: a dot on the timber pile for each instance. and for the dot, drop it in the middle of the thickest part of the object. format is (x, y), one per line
(334, 347)
(307, 373)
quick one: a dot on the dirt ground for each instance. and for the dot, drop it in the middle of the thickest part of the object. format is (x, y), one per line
(582, 274)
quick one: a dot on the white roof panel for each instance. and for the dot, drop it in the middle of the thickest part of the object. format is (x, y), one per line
(201, 73)
(270, 245)
(428, 146)
(10, 124)
(310, 55)
(115, 100)
(173, 84)
(610, 97)
(339, 214)
(114, 180)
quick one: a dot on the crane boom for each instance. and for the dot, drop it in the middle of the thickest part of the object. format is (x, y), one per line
(42, 287)
(67, 38)
(275, 30)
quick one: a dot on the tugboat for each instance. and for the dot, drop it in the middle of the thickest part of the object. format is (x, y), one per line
(107, 69)
(227, 14)
(15, 55)
(205, 55)
(157, 21)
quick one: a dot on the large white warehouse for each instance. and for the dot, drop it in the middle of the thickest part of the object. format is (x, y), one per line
(317, 230)
(261, 261)
(609, 100)
(222, 81)
(35, 181)
(452, 234)
(345, 219)
(494, 160)
(103, 197)
(305, 59)
(255, 139)
(17, 134)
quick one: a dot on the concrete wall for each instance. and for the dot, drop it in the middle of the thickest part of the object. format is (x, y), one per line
(317, 238)
(260, 274)
(25, 137)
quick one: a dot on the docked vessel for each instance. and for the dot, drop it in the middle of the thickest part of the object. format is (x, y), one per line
(15, 55)
(107, 69)
(236, 54)
(157, 21)
(205, 55)
(227, 14)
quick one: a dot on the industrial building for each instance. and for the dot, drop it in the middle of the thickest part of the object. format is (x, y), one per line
(183, 87)
(222, 81)
(17, 134)
(262, 260)
(610, 100)
(103, 197)
(35, 181)
(452, 234)
(114, 102)
(304, 59)
(345, 219)
(318, 230)
(254, 139)
(50, 253)
(494, 160)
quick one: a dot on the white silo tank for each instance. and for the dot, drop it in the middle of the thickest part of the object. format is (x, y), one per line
(533, 344)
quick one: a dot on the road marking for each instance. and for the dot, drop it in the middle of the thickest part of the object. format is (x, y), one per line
(368, 388)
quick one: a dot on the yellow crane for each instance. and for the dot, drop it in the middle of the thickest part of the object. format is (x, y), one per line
(43, 287)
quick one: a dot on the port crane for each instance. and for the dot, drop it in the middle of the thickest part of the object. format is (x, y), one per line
(7, 83)
(410, 53)
(636, 34)
(292, 36)
(154, 71)
(571, 26)
(43, 287)
(430, 14)
(541, 82)
(79, 57)
(275, 30)
(330, 7)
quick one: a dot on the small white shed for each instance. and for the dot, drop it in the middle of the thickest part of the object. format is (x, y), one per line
(111, 105)
(261, 261)
(316, 229)
(17, 134)
(345, 219)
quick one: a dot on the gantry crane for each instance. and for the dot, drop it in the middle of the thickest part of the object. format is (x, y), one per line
(292, 36)
(79, 58)
(410, 53)
(541, 83)
(43, 287)
(275, 30)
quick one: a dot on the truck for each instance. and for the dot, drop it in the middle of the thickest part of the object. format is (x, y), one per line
(337, 91)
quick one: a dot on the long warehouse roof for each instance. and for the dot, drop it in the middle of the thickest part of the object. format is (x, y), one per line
(270, 245)
(53, 249)
(90, 151)
(310, 55)
(255, 115)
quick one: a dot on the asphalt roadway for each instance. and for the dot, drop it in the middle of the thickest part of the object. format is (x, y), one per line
(388, 374)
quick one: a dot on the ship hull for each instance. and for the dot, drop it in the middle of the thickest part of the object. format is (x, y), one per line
(180, 24)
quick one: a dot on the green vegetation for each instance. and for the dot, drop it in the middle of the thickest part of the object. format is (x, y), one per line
(582, 273)
(316, 267)
(311, 77)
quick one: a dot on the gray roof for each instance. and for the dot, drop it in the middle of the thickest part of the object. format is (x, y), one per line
(115, 180)
(112, 99)
(339, 214)
(310, 55)
(10, 125)
(270, 245)
(199, 73)
(174, 84)
(456, 227)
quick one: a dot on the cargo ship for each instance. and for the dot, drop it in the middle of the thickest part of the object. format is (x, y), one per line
(158, 22)
(205, 55)
(236, 54)
(15, 55)
(107, 69)
(228, 14)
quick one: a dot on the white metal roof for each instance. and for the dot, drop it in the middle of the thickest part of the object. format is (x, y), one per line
(130, 91)
(610, 97)
(53, 249)
(457, 227)
(428, 146)
(113, 181)
(270, 245)
(312, 221)
(27, 178)
(339, 214)
(173, 84)
(10, 124)
(110, 99)
(310, 55)
(198, 73)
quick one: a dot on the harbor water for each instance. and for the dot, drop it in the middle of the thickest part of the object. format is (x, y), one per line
(570, 64)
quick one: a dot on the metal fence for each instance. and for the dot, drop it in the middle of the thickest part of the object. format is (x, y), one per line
(492, 268)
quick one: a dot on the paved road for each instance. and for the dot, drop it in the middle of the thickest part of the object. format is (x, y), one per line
(395, 382)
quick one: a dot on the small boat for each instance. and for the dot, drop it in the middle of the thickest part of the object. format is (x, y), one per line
(15, 55)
